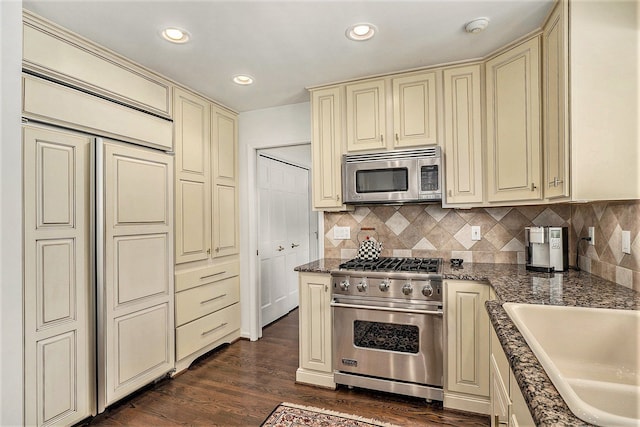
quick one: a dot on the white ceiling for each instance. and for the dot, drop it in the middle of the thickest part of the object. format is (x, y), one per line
(290, 45)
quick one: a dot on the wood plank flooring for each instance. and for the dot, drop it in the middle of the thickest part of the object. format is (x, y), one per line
(240, 384)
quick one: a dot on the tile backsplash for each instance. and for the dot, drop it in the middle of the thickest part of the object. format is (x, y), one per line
(605, 258)
(431, 231)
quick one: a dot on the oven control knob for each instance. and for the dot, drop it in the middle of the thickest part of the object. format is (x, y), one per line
(344, 285)
(407, 289)
(362, 286)
(384, 285)
(427, 291)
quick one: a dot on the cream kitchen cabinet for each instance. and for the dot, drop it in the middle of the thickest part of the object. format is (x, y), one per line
(555, 105)
(463, 134)
(59, 342)
(326, 145)
(508, 406)
(605, 160)
(412, 102)
(224, 156)
(207, 242)
(315, 330)
(207, 310)
(59, 54)
(366, 115)
(513, 166)
(192, 136)
(415, 109)
(467, 346)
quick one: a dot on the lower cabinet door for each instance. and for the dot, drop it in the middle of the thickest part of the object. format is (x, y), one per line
(315, 322)
(467, 338)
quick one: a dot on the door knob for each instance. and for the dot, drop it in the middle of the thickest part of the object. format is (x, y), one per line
(280, 248)
(293, 245)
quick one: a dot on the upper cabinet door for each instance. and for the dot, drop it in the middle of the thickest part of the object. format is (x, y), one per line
(366, 115)
(414, 110)
(225, 148)
(513, 124)
(463, 134)
(555, 105)
(193, 182)
(326, 145)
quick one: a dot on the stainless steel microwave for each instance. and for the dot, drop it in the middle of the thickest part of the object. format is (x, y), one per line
(398, 176)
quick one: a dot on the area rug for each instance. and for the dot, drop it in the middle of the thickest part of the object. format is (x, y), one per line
(292, 415)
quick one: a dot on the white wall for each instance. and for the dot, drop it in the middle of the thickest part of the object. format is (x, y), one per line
(11, 387)
(267, 128)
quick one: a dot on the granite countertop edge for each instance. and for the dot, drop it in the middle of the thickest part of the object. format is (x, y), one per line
(513, 283)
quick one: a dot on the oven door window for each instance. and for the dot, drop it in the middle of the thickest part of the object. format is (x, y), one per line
(382, 180)
(386, 336)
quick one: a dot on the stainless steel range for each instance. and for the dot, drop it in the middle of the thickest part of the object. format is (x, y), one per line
(387, 325)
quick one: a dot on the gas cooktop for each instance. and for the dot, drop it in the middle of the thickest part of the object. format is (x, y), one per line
(390, 264)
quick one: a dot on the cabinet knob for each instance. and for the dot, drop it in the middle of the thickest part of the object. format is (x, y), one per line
(280, 248)
(381, 138)
(293, 245)
(533, 187)
(397, 138)
(209, 251)
(556, 181)
(217, 249)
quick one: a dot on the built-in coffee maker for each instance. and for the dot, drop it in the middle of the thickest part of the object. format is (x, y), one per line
(547, 248)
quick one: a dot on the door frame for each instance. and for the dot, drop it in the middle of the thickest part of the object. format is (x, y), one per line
(249, 287)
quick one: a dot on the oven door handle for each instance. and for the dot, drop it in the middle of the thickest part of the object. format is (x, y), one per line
(397, 310)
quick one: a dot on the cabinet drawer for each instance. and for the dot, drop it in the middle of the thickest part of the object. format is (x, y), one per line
(206, 330)
(200, 276)
(202, 300)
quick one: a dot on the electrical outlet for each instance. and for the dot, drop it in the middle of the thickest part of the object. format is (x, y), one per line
(341, 233)
(475, 232)
(626, 242)
(592, 235)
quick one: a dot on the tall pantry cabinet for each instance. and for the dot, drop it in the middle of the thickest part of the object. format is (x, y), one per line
(207, 265)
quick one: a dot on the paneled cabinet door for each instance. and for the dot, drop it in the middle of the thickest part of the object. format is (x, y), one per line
(224, 140)
(58, 318)
(193, 180)
(513, 124)
(135, 269)
(463, 134)
(414, 110)
(555, 104)
(315, 330)
(366, 115)
(225, 220)
(326, 145)
(224, 157)
(467, 338)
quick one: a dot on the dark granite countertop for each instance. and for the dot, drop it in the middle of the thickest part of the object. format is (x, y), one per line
(513, 283)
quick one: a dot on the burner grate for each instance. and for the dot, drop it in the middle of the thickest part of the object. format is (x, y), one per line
(420, 265)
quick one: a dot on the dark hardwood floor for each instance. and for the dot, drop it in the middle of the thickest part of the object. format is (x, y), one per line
(240, 384)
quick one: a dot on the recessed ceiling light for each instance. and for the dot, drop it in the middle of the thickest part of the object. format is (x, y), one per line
(175, 35)
(243, 79)
(477, 25)
(361, 32)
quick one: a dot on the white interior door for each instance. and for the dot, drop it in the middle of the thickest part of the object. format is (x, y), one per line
(135, 269)
(283, 234)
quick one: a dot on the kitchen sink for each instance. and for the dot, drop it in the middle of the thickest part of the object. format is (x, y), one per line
(592, 356)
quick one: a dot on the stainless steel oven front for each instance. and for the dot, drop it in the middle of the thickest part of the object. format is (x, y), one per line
(390, 346)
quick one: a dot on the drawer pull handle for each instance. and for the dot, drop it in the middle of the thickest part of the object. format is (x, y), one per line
(211, 275)
(213, 299)
(214, 329)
